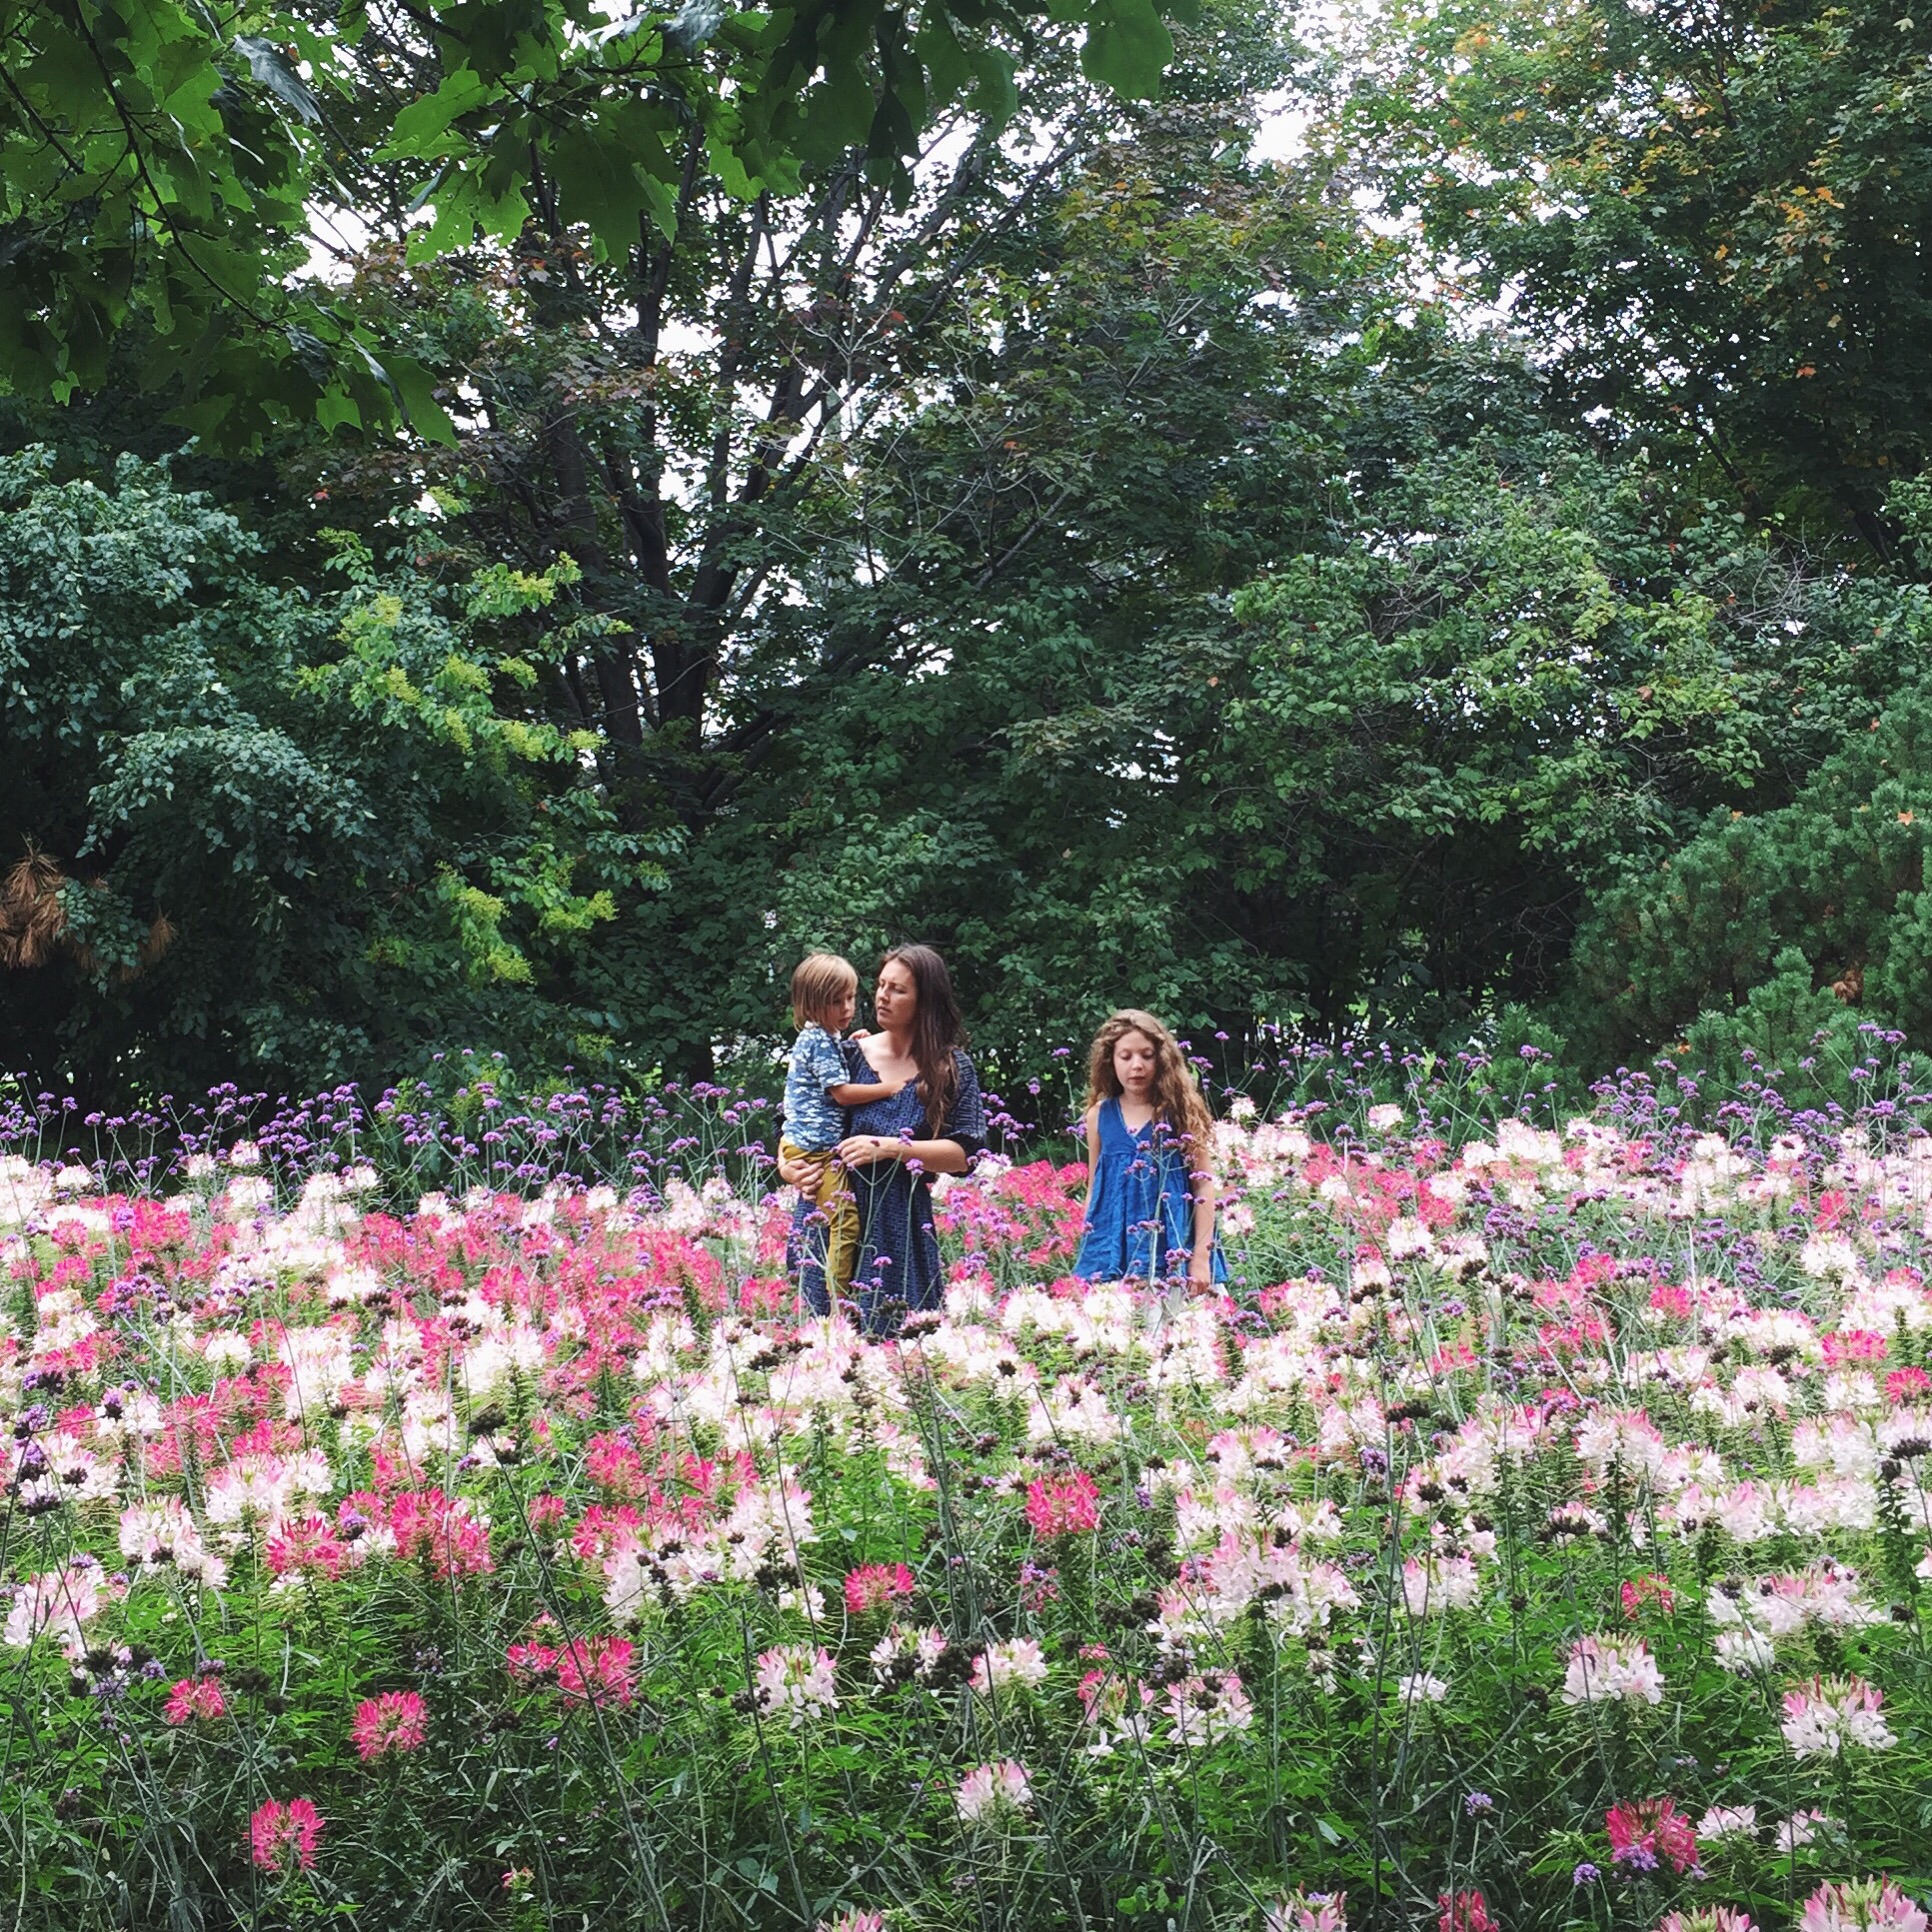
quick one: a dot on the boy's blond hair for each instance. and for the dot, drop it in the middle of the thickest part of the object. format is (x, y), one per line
(817, 980)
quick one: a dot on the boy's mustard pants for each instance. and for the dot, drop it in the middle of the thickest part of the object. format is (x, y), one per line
(833, 1199)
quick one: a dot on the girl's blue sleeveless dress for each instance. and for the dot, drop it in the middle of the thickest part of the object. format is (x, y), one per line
(1141, 1223)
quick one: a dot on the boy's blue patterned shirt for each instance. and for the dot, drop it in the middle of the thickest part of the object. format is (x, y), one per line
(814, 1121)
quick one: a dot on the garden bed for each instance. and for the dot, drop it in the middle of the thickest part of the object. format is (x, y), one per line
(1534, 1535)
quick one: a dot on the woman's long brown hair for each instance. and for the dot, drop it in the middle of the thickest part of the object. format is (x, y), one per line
(936, 1029)
(1177, 1098)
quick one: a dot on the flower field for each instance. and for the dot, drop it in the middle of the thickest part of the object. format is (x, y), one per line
(1535, 1535)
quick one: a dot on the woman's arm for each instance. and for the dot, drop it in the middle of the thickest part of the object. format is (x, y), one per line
(952, 1153)
(1092, 1129)
(1200, 1259)
(935, 1156)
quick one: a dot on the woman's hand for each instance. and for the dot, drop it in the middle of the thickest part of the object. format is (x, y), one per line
(1200, 1271)
(862, 1150)
(805, 1171)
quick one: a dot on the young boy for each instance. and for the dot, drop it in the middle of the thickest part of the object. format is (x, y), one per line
(825, 996)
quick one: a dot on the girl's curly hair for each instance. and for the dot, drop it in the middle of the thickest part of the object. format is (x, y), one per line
(1176, 1093)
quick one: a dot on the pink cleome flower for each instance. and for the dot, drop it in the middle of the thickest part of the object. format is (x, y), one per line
(587, 1670)
(1828, 1715)
(531, 1662)
(195, 1697)
(1465, 1911)
(1648, 1589)
(873, 1586)
(395, 1721)
(1604, 1668)
(990, 1791)
(596, 1670)
(1307, 1912)
(1907, 1385)
(59, 1602)
(1854, 1345)
(1206, 1709)
(795, 1681)
(1063, 1505)
(1016, 1664)
(444, 1531)
(281, 1836)
(1651, 1828)
(306, 1546)
(1870, 1905)
(1707, 1918)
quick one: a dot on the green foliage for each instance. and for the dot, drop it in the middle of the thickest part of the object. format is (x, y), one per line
(161, 163)
(1706, 217)
(1082, 548)
(1769, 926)
(294, 830)
(1093, 316)
(994, 748)
(1372, 786)
(1523, 680)
(155, 165)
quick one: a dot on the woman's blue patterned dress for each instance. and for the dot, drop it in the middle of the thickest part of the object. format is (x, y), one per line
(898, 1267)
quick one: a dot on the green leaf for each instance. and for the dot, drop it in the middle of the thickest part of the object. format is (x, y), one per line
(597, 185)
(994, 98)
(1127, 48)
(937, 48)
(458, 209)
(415, 390)
(419, 128)
(233, 270)
(338, 408)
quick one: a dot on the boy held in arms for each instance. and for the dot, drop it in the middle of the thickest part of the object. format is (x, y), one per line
(818, 1088)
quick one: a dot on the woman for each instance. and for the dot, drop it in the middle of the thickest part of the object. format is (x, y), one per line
(934, 1124)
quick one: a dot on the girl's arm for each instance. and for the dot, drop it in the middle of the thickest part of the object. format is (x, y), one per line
(1092, 1128)
(935, 1156)
(1200, 1259)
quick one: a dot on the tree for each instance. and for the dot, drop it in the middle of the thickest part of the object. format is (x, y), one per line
(1132, 418)
(723, 433)
(742, 568)
(1708, 217)
(1518, 677)
(174, 164)
(306, 835)
(1769, 924)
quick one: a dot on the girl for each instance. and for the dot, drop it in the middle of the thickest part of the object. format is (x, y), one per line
(1150, 1143)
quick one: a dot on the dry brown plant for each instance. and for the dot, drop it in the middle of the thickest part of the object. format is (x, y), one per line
(33, 922)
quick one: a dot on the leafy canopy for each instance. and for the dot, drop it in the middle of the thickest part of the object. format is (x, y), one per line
(182, 165)
(298, 830)
(1707, 216)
